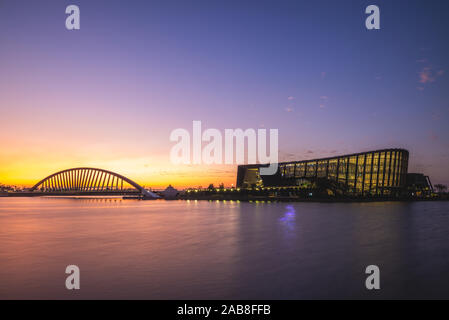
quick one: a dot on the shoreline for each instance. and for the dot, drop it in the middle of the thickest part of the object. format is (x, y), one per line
(256, 199)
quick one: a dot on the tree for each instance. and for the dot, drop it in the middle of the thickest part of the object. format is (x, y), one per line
(441, 188)
(211, 187)
(221, 186)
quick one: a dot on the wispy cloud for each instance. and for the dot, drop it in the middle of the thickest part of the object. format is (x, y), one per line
(291, 98)
(423, 60)
(323, 100)
(323, 75)
(425, 75)
(288, 109)
(436, 115)
(433, 136)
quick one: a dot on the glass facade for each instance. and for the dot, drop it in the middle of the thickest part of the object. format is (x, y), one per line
(381, 172)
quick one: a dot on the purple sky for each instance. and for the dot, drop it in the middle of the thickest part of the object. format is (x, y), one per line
(110, 93)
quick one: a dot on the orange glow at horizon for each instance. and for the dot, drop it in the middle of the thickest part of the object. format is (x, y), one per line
(149, 173)
(36, 144)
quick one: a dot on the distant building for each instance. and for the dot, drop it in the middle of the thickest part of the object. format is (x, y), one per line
(170, 193)
(380, 172)
(418, 184)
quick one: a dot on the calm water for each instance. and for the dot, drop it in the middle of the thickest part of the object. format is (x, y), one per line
(222, 250)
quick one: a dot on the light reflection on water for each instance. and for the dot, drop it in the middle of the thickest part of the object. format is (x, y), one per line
(288, 222)
(221, 250)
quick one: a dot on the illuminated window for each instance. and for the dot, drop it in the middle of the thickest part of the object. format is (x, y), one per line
(360, 169)
(351, 172)
(342, 169)
(300, 169)
(290, 170)
(311, 167)
(333, 169)
(321, 171)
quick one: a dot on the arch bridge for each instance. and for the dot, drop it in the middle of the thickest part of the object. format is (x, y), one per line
(89, 181)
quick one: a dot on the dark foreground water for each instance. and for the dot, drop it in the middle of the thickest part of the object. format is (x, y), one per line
(222, 250)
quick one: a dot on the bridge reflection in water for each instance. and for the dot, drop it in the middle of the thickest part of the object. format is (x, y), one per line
(89, 181)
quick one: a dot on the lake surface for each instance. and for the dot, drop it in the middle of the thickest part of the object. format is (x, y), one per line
(222, 250)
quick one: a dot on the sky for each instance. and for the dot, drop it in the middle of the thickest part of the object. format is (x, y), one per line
(109, 95)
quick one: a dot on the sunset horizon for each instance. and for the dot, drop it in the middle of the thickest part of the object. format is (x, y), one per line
(109, 95)
(223, 159)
